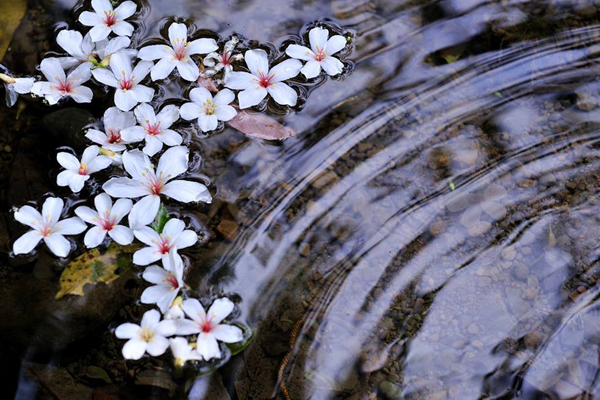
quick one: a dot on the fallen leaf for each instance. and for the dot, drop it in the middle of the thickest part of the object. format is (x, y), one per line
(208, 84)
(260, 126)
(161, 219)
(93, 267)
(10, 18)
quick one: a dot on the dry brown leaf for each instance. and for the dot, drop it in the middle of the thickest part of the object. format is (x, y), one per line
(260, 126)
(10, 18)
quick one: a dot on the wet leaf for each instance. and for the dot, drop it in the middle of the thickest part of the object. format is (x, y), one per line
(208, 84)
(238, 347)
(260, 126)
(10, 18)
(450, 58)
(161, 219)
(93, 267)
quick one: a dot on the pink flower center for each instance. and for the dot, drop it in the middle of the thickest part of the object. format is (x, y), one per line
(206, 325)
(64, 86)
(180, 48)
(155, 184)
(265, 80)
(46, 229)
(110, 18)
(226, 58)
(126, 84)
(153, 129)
(108, 221)
(83, 169)
(164, 246)
(320, 54)
(113, 137)
(171, 280)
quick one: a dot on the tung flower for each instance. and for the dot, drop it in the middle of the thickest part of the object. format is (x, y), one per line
(82, 49)
(105, 20)
(222, 61)
(174, 236)
(178, 54)
(150, 336)
(76, 172)
(121, 76)
(320, 54)
(182, 351)
(208, 326)
(60, 85)
(262, 81)
(106, 220)
(14, 86)
(154, 128)
(207, 110)
(167, 282)
(115, 121)
(48, 227)
(149, 184)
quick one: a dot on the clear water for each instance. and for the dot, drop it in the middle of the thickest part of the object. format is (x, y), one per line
(432, 230)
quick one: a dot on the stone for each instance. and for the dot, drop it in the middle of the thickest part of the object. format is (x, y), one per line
(65, 126)
(389, 390)
(509, 253)
(228, 229)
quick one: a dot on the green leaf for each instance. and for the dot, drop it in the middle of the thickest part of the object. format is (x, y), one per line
(93, 267)
(238, 347)
(451, 184)
(161, 219)
(450, 58)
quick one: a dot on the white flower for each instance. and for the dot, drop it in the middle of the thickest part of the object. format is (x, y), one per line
(175, 311)
(106, 220)
(76, 172)
(48, 227)
(222, 61)
(82, 49)
(178, 54)
(167, 282)
(111, 140)
(129, 92)
(59, 85)
(207, 110)
(262, 81)
(14, 86)
(149, 185)
(173, 237)
(150, 337)
(208, 326)
(321, 53)
(106, 20)
(182, 351)
(154, 128)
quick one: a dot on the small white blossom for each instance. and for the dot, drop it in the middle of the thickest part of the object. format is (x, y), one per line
(149, 184)
(182, 351)
(261, 80)
(175, 311)
(209, 111)
(15, 86)
(82, 49)
(60, 85)
(48, 227)
(77, 172)
(174, 236)
(167, 281)
(105, 20)
(126, 80)
(150, 336)
(222, 61)
(208, 326)
(111, 140)
(320, 54)
(178, 54)
(153, 128)
(106, 219)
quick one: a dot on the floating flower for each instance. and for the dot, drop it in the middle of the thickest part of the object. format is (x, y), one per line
(81, 49)
(208, 326)
(167, 281)
(48, 227)
(150, 336)
(207, 110)
(320, 54)
(222, 61)
(14, 86)
(149, 185)
(76, 172)
(182, 351)
(106, 220)
(178, 54)
(106, 20)
(115, 121)
(129, 92)
(154, 129)
(160, 245)
(60, 85)
(262, 81)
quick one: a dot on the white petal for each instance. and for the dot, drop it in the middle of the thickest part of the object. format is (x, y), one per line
(103, 203)
(200, 95)
(71, 41)
(125, 10)
(193, 309)
(26, 243)
(177, 34)
(187, 238)
(144, 211)
(125, 99)
(173, 228)
(137, 164)
(98, 164)
(87, 214)
(335, 44)
(58, 244)
(142, 93)
(285, 70)
(220, 309)
(228, 333)
(104, 76)
(134, 349)
(240, 80)
(174, 264)
(120, 65)
(29, 216)
(153, 145)
(153, 294)
(127, 330)
(68, 161)
(162, 69)
(188, 70)
(155, 52)
(147, 236)
(173, 162)
(70, 226)
(52, 208)
(208, 123)
(114, 45)
(332, 66)
(251, 97)
(99, 32)
(187, 191)
(300, 52)
(144, 113)
(121, 234)
(94, 237)
(318, 39)
(141, 70)
(225, 113)
(89, 154)
(125, 187)
(81, 94)
(96, 136)
(155, 274)
(170, 138)
(121, 208)
(133, 134)
(81, 74)
(208, 346)
(224, 97)
(311, 69)
(165, 328)
(63, 178)
(100, 6)
(146, 256)
(167, 116)
(122, 28)
(190, 111)
(90, 19)
(202, 46)
(283, 94)
(23, 85)
(150, 319)
(257, 61)
(77, 181)
(186, 327)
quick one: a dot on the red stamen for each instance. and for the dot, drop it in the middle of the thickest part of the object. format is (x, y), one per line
(265, 81)
(153, 129)
(173, 282)
(110, 18)
(206, 326)
(83, 169)
(165, 246)
(320, 54)
(114, 137)
(108, 222)
(64, 87)
(126, 84)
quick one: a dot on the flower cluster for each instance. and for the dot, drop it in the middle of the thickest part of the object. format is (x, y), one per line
(147, 157)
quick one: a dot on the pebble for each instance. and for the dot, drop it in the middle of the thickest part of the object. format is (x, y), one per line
(473, 329)
(389, 391)
(484, 281)
(521, 272)
(509, 253)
